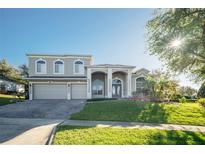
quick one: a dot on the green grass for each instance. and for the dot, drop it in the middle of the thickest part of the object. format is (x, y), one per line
(9, 99)
(67, 135)
(133, 111)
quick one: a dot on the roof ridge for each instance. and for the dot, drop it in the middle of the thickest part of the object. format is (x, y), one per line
(64, 55)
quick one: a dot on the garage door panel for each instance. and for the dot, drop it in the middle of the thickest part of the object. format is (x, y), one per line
(50, 91)
(79, 91)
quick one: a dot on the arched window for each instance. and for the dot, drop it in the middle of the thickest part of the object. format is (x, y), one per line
(78, 67)
(58, 67)
(140, 82)
(41, 66)
(116, 81)
(97, 87)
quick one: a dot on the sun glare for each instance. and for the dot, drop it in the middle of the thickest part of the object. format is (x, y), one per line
(176, 43)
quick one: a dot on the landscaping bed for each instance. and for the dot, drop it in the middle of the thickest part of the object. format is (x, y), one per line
(69, 135)
(125, 110)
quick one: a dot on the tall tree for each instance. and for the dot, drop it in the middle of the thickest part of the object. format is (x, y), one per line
(177, 36)
(23, 70)
(4, 68)
(187, 91)
(201, 92)
(8, 71)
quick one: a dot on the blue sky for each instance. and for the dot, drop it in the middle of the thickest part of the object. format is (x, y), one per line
(111, 35)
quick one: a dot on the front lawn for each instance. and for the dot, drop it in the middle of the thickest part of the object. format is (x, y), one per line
(124, 136)
(9, 99)
(124, 110)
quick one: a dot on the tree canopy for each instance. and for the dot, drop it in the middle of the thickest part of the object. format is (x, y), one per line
(10, 73)
(177, 36)
(187, 91)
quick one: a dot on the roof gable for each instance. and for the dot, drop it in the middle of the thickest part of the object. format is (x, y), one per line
(142, 72)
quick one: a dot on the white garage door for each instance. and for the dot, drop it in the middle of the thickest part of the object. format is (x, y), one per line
(50, 91)
(79, 91)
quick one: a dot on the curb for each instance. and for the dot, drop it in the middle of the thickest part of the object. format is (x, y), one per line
(52, 134)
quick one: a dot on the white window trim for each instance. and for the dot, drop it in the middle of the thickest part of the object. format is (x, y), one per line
(141, 76)
(54, 66)
(40, 59)
(116, 78)
(74, 67)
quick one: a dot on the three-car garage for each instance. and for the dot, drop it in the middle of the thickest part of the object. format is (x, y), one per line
(59, 91)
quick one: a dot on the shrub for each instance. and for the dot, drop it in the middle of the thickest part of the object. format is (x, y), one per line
(201, 101)
(100, 99)
(201, 92)
(191, 100)
(182, 100)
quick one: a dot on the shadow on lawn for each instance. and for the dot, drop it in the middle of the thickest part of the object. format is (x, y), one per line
(177, 138)
(152, 113)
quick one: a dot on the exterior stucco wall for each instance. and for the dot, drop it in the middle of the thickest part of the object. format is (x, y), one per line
(68, 65)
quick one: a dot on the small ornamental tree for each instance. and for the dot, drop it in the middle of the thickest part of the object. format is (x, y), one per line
(161, 86)
(201, 92)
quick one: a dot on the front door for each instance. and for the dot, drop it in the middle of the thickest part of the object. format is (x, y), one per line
(116, 90)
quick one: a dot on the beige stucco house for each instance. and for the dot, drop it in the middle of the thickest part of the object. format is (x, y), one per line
(76, 77)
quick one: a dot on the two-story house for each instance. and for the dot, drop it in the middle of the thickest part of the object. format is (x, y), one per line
(76, 77)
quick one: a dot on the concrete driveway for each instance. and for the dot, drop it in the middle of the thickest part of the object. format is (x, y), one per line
(32, 122)
(49, 109)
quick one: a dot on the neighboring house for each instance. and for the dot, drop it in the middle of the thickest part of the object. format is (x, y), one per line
(75, 77)
(9, 86)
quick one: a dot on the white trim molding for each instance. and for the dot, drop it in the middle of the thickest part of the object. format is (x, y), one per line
(109, 83)
(89, 86)
(129, 83)
(36, 61)
(66, 78)
(74, 71)
(68, 91)
(30, 91)
(60, 73)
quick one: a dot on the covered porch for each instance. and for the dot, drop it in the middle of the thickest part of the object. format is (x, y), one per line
(109, 81)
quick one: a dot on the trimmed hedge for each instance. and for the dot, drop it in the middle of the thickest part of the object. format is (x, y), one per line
(100, 99)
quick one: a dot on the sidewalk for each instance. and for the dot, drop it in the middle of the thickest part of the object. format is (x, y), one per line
(134, 125)
(23, 131)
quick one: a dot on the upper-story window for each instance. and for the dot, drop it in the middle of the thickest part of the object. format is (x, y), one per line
(40, 66)
(58, 67)
(78, 67)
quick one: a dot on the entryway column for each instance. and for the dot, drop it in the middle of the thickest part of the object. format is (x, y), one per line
(30, 91)
(109, 83)
(89, 80)
(129, 78)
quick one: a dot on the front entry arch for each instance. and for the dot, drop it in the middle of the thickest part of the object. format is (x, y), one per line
(117, 88)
